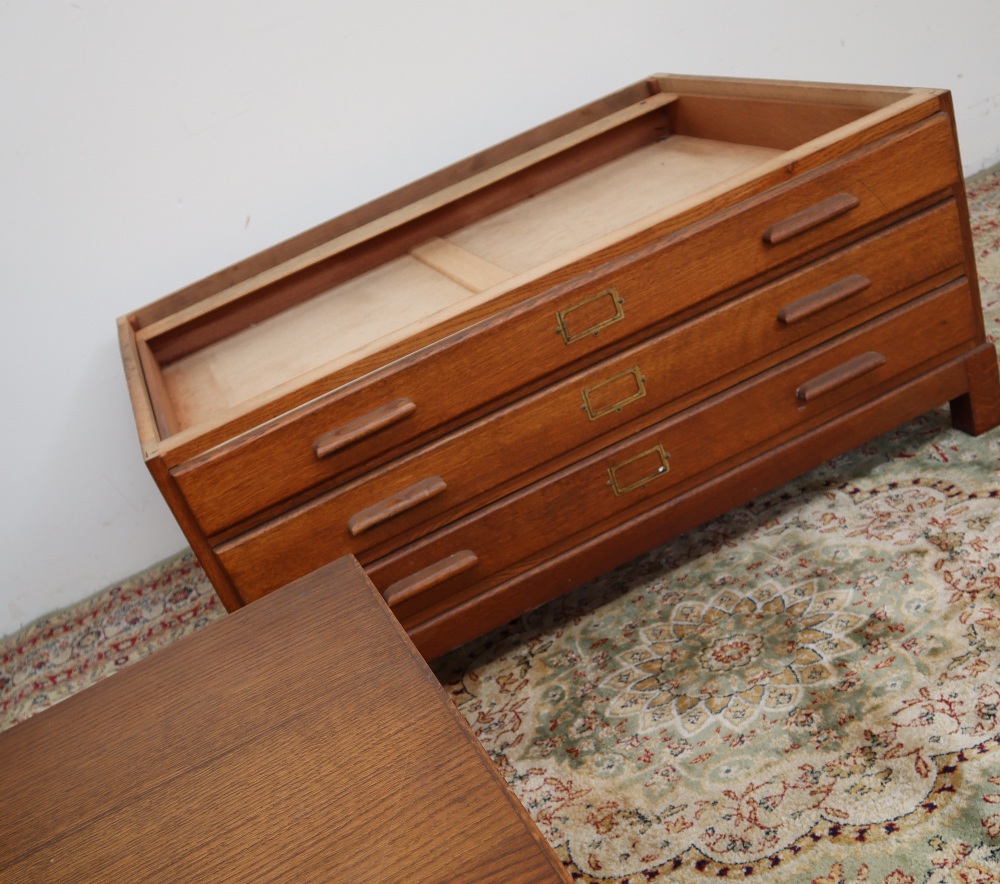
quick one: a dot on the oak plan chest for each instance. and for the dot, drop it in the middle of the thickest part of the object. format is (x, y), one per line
(510, 376)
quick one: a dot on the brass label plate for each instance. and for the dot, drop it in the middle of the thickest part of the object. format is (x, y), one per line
(614, 393)
(639, 471)
(590, 315)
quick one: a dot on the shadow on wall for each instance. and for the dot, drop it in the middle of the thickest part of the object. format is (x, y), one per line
(94, 509)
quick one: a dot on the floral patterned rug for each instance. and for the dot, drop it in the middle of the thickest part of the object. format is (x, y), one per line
(806, 689)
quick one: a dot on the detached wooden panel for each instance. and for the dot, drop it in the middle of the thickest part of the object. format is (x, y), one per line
(301, 739)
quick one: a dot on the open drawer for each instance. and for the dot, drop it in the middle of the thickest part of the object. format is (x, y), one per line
(314, 314)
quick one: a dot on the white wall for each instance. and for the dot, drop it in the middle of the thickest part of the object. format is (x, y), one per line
(145, 145)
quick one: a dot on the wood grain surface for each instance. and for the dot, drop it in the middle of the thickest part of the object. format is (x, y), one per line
(299, 739)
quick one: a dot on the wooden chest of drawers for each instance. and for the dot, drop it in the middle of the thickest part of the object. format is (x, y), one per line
(516, 373)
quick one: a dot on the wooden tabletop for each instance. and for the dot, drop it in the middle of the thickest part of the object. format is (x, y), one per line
(300, 738)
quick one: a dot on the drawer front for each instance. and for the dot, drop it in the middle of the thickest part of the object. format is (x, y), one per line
(449, 478)
(467, 556)
(429, 392)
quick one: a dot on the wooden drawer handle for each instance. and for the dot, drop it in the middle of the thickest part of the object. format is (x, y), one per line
(432, 575)
(807, 219)
(395, 504)
(366, 425)
(842, 374)
(841, 290)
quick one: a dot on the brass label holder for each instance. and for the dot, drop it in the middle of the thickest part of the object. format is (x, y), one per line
(660, 467)
(592, 312)
(594, 411)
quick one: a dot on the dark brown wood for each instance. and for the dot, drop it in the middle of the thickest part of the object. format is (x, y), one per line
(363, 427)
(854, 368)
(827, 296)
(978, 410)
(432, 576)
(962, 205)
(700, 443)
(546, 431)
(688, 358)
(200, 545)
(178, 451)
(300, 739)
(407, 499)
(811, 217)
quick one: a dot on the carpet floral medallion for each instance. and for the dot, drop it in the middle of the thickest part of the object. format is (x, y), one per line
(806, 689)
(816, 669)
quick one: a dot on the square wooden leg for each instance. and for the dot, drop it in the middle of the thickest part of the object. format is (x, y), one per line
(979, 409)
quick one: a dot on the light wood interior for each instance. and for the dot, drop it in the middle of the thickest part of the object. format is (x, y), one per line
(689, 146)
(385, 304)
(600, 202)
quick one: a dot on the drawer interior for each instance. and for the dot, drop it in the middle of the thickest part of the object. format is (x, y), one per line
(387, 302)
(469, 246)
